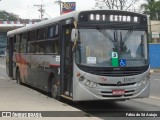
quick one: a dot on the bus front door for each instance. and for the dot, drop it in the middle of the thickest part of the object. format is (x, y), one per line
(66, 62)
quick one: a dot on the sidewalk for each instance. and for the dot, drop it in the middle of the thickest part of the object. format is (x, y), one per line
(2, 62)
(20, 98)
(155, 70)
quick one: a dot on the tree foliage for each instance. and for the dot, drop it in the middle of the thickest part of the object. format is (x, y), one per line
(115, 4)
(6, 16)
(151, 8)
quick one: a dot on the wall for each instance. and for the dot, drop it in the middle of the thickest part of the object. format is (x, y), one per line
(154, 54)
(155, 26)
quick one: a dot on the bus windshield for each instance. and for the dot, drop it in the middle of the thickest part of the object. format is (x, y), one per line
(96, 46)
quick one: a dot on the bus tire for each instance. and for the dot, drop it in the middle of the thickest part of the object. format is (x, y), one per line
(54, 90)
(18, 78)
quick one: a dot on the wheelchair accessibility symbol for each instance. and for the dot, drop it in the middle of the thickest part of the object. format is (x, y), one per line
(122, 62)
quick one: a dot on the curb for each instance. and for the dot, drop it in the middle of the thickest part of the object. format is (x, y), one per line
(151, 71)
(155, 71)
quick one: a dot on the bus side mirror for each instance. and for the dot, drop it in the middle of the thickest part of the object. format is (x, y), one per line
(74, 35)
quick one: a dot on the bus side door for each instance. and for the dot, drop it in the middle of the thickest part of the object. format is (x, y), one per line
(66, 64)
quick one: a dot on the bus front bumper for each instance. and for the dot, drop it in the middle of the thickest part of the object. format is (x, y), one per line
(85, 93)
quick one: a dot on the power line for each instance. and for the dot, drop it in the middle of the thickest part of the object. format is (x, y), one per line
(48, 15)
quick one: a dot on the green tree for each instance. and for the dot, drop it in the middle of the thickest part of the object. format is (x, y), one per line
(151, 8)
(115, 4)
(6, 16)
(158, 10)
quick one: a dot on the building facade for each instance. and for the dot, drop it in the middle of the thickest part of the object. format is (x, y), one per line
(155, 31)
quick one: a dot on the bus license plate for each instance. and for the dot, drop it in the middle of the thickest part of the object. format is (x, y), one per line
(118, 92)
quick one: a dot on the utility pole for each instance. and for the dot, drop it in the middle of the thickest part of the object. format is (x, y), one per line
(41, 10)
(59, 2)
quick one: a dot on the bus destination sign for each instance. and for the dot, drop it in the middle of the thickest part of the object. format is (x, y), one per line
(113, 18)
(123, 18)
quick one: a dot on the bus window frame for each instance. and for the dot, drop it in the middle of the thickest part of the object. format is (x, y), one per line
(25, 43)
(47, 38)
(17, 42)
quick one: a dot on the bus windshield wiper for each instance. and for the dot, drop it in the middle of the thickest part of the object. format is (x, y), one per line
(114, 39)
(128, 34)
(123, 40)
(107, 35)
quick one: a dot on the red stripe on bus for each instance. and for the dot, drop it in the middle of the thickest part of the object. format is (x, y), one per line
(54, 65)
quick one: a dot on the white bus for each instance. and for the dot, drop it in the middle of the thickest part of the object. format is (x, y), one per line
(83, 56)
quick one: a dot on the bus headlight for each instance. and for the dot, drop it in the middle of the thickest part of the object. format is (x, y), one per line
(83, 80)
(87, 83)
(144, 81)
(91, 84)
(94, 85)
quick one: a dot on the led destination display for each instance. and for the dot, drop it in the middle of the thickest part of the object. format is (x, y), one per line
(112, 17)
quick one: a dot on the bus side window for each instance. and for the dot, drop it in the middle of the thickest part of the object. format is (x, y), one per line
(53, 31)
(42, 33)
(52, 46)
(23, 44)
(50, 32)
(32, 36)
(47, 47)
(31, 47)
(40, 47)
(16, 43)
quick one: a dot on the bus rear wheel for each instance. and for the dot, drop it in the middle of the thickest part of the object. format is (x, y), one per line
(54, 91)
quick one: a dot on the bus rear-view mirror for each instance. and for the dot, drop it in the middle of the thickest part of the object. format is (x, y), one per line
(74, 35)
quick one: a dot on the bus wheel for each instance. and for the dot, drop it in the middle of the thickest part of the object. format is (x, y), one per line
(54, 91)
(18, 77)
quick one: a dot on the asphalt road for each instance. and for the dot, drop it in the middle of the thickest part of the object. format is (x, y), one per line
(155, 85)
(30, 99)
(102, 109)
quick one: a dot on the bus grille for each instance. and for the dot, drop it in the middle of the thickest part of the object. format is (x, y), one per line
(123, 84)
(116, 73)
(117, 95)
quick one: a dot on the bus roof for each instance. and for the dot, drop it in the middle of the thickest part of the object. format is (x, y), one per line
(73, 14)
(46, 22)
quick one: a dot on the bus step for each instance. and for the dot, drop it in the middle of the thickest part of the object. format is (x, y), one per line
(67, 97)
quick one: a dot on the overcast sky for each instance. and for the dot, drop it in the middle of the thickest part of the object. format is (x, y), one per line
(26, 8)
